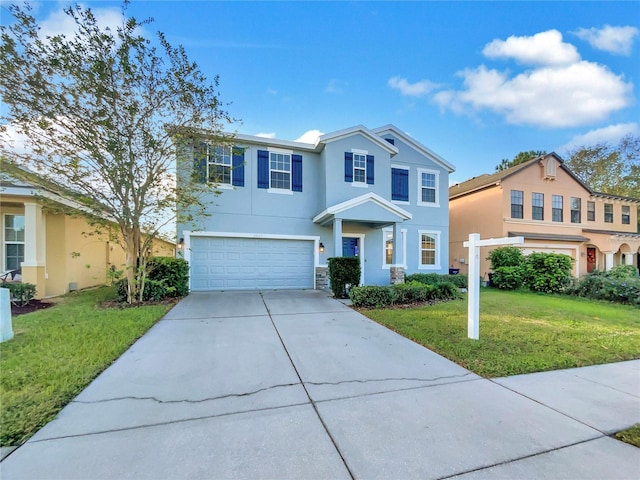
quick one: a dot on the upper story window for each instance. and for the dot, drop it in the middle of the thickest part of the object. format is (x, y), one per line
(428, 181)
(576, 210)
(429, 253)
(13, 241)
(219, 165)
(626, 214)
(608, 212)
(359, 168)
(279, 172)
(399, 184)
(556, 208)
(591, 211)
(517, 204)
(537, 206)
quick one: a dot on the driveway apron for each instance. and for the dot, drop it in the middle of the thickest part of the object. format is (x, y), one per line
(293, 384)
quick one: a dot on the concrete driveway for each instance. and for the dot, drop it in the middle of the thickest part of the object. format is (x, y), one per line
(293, 384)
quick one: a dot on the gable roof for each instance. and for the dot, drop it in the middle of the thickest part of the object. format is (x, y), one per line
(415, 145)
(368, 198)
(359, 130)
(490, 180)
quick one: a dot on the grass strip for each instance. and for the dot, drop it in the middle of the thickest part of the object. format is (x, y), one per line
(630, 435)
(522, 332)
(58, 351)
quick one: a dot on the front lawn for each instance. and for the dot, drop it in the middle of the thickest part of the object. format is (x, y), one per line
(522, 332)
(57, 352)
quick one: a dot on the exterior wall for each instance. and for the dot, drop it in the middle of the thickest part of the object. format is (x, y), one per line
(249, 210)
(472, 211)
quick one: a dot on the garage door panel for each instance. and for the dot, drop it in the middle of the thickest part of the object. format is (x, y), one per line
(251, 263)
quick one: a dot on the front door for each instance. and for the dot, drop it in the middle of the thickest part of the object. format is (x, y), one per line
(591, 259)
(350, 247)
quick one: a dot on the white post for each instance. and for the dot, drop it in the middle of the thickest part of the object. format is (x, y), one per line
(473, 308)
(337, 237)
(628, 258)
(608, 261)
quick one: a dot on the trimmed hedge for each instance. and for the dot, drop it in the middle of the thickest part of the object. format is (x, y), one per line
(168, 277)
(343, 271)
(402, 294)
(460, 281)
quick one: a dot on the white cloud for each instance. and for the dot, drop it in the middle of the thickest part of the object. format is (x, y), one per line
(611, 134)
(618, 40)
(544, 48)
(310, 136)
(336, 86)
(418, 89)
(553, 94)
(59, 23)
(266, 135)
(272, 91)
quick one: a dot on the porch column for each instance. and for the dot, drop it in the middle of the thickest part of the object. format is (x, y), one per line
(33, 266)
(396, 271)
(628, 258)
(608, 261)
(337, 237)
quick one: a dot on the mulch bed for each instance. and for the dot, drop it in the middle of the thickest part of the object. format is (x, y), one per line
(32, 306)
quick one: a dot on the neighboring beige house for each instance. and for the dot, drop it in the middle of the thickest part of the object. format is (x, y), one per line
(56, 252)
(543, 201)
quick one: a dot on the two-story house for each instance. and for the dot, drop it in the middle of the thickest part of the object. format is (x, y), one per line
(544, 202)
(287, 207)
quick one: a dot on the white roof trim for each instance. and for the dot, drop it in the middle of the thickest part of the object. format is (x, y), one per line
(362, 130)
(273, 142)
(416, 145)
(362, 199)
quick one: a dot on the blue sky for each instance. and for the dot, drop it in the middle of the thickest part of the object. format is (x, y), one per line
(473, 81)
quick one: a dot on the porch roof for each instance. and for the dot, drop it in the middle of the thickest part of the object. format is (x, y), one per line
(549, 236)
(368, 208)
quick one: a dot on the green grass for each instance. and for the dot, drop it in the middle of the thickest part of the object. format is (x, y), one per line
(630, 435)
(56, 353)
(522, 332)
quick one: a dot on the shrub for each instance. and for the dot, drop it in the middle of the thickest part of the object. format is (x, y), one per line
(371, 296)
(343, 271)
(445, 291)
(505, 257)
(23, 293)
(547, 272)
(600, 286)
(460, 281)
(174, 272)
(508, 278)
(622, 271)
(412, 292)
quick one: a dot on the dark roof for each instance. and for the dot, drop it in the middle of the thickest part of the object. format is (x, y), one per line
(549, 236)
(611, 232)
(486, 180)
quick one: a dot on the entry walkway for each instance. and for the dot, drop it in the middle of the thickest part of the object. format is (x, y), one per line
(293, 384)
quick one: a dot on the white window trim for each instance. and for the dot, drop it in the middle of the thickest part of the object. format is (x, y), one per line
(433, 233)
(281, 191)
(403, 259)
(364, 184)
(437, 174)
(221, 186)
(5, 242)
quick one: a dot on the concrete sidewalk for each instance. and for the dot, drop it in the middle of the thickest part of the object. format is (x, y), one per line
(293, 384)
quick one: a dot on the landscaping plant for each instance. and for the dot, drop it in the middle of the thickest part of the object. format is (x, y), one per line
(343, 271)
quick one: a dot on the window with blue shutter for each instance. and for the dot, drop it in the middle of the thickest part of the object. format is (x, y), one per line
(400, 184)
(370, 169)
(199, 172)
(296, 173)
(263, 169)
(348, 167)
(238, 167)
(391, 141)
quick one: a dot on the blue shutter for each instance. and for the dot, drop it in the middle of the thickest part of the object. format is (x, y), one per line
(391, 141)
(263, 169)
(199, 172)
(400, 184)
(348, 167)
(296, 173)
(370, 169)
(238, 167)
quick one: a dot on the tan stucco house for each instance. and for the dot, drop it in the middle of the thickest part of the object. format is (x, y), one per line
(55, 251)
(544, 202)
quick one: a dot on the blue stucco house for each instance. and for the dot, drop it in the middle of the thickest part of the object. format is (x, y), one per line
(287, 207)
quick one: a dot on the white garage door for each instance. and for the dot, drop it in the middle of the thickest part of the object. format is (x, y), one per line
(219, 263)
